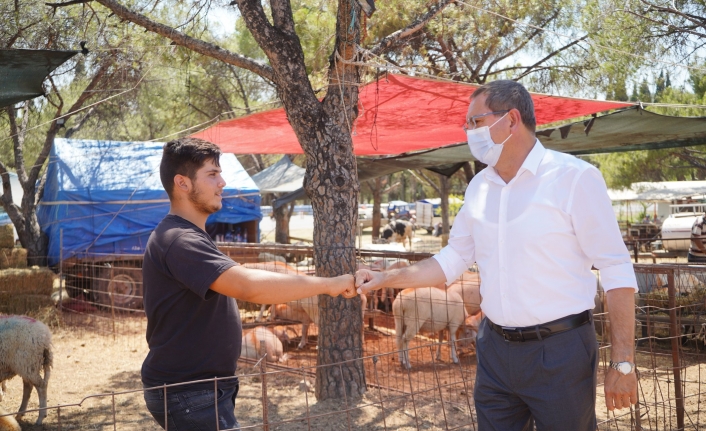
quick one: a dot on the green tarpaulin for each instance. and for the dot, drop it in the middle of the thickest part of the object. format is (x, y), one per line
(22, 72)
(626, 130)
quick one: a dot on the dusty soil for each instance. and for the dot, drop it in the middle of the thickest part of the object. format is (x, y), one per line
(90, 365)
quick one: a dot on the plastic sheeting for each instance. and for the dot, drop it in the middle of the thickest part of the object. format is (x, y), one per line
(398, 114)
(107, 197)
(22, 72)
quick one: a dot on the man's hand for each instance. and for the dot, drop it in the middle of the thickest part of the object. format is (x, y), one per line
(343, 285)
(367, 280)
(620, 390)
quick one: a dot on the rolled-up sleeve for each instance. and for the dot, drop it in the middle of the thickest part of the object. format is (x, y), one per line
(597, 231)
(459, 254)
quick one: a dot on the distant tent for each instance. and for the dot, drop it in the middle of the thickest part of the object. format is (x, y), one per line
(107, 196)
(282, 177)
(22, 72)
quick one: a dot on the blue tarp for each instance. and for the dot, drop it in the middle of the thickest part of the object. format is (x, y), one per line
(107, 197)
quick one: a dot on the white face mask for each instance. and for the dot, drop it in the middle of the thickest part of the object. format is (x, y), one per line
(482, 146)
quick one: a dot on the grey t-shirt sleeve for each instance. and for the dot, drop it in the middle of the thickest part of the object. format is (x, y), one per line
(196, 262)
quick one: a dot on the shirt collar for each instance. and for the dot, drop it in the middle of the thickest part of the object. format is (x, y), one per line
(534, 158)
(531, 164)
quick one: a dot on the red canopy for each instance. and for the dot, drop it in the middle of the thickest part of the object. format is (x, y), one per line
(412, 114)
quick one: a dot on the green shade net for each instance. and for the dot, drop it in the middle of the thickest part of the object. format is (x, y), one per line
(22, 72)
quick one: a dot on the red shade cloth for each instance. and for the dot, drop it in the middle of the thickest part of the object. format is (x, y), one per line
(412, 114)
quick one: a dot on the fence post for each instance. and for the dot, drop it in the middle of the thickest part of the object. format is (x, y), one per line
(674, 333)
(263, 372)
(636, 250)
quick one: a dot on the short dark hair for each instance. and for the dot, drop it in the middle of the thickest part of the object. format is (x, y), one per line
(185, 156)
(503, 94)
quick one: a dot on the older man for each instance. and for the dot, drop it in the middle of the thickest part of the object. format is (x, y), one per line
(535, 221)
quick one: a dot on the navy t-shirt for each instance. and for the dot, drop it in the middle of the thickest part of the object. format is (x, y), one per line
(193, 332)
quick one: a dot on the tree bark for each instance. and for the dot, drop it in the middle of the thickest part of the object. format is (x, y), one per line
(377, 201)
(332, 184)
(468, 172)
(444, 192)
(282, 216)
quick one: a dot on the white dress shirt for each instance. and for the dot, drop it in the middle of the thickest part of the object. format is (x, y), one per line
(536, 238)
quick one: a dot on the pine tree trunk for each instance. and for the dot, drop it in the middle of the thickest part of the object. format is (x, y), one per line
(331, 183)
(444, 189)
(377, 201)
(282, 216)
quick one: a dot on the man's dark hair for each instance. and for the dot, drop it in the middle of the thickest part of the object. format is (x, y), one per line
(184, 157)
(503, 95)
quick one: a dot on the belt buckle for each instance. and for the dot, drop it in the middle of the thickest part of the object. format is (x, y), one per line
(506, 332)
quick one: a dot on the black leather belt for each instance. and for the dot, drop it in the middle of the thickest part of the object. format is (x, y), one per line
(538, 332)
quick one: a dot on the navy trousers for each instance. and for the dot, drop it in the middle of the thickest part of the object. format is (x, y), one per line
(551, 380)
(195, 410)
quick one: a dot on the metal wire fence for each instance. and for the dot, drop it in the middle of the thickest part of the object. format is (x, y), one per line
(103, 296)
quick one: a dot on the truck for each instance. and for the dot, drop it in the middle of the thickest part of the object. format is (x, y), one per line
(676, 228)
(103, 199)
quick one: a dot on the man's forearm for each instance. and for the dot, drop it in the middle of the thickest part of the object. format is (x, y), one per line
(427, 273)
(265, 287)
(621, 311)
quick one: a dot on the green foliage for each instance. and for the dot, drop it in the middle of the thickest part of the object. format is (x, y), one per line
(455, 203)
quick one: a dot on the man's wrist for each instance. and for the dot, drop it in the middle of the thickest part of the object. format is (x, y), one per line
(624, 367)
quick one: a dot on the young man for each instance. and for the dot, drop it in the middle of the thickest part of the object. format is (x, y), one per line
(535, 221)
(193, 326)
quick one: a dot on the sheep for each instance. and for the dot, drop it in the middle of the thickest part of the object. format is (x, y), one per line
(468, 287)
(386, 264)
(306, 311)
(8, 423)
(429, 309)
(274, 266)
(273, 346)
(26, 350)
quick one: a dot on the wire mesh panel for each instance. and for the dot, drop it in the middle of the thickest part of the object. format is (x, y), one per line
(413, 381)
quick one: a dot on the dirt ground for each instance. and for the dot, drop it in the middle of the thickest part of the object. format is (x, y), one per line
(89, 367)
(96, 378)
(88, 363)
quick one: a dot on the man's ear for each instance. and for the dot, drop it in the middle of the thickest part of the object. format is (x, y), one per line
(515, 118)
(182, 183)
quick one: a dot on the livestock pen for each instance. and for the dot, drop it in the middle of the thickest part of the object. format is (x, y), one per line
(434, 393)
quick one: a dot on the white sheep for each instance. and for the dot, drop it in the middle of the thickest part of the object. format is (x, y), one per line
(306, 311)
(25, 350)
(430, 310)
(468, 287)
(386, 264)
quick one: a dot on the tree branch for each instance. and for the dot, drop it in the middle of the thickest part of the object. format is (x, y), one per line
(525, 41)
(548, 56)
(418, 173)
(697, 20)
(54, 128)
(282, 16)
(8, 203)
(399, 36)
(196, 45)
(666, 24)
